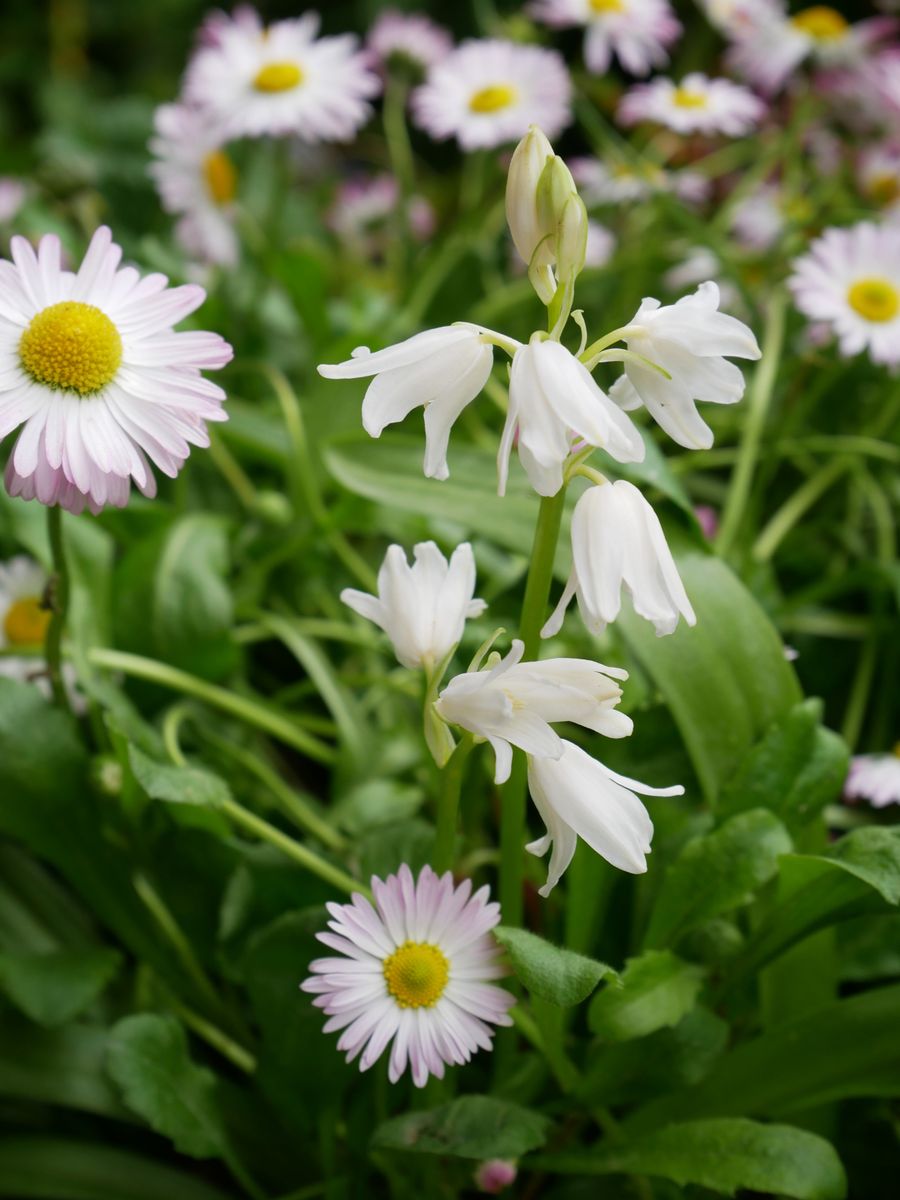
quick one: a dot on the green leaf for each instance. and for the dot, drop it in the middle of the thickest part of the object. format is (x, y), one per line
(477, 1127)
(149, 1060)
(794, 770)
(195, 792)
(53, 988)
(725, 680)
(560, 976)
(63, 1067)
(726, 1156)
(43, 1168)
(716, 873)
(655, 990)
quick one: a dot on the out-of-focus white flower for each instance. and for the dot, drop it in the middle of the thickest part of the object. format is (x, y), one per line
(415, 969)
(363, 205)
(851, 279)
(735, 17)
(422, 608)
(637, 32)
(495, 1176)
(878, 174)
(759, 219)
(621, 183)
(698, 265)
(254, 80)
(697, 104)
(689, 340)
(875, 777)
(578, 797)
(197, 180)
(618, 544)
(515, 703)
(488, 92)
(601, 245)
(23, 626)
(553, 400)
(12, 197)
(408, 39)
(442, 370)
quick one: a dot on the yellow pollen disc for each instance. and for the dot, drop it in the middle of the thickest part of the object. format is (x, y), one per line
(821, 22)
(25, 623)
(685, 98)
(884, 189)
(874, 299)
(416, 974)
(493, 98)
(220, 176)
(278, 77)
(71, 346)
(605, 6)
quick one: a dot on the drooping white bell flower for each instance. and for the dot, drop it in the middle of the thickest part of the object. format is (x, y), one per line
(422, 608)
(515, 703)
(689, 340)
(579, 797)
(553, 400)
(617, 541)
(442, 370)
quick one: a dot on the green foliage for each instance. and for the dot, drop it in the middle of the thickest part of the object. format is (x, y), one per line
(476, 1127)
(53, 988)
(551, 972)
(655, 990)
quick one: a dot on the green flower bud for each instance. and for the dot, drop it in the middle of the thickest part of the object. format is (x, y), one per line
(533, 239)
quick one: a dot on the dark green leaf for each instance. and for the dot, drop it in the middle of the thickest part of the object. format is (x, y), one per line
(53, 988)
(470, 1127)
(654, 991)
(62, 1067)
(195, 792)
(551, 972)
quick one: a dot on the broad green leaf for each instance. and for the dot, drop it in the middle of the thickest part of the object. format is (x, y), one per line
(725, 1155)
(63, 1067)
(53, 988)
(726, 679)
(716, 873)
(476, 1127)
(46, 1168)
(149, 1060)
(655, 990)
(194, 792)
(551, 972)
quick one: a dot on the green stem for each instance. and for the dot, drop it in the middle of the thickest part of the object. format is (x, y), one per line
(448, 806)
(786, 517)
(396, 134)
(159, 910)
(213, 1036)
(232, 472)
(758, 406)
(60, 606)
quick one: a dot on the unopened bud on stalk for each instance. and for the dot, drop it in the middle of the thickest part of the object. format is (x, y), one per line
(533, 240)
(571, 242)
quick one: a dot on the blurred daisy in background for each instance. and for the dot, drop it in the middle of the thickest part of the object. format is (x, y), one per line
(697, 104)
(407, 41)
(415, 971)
(24, 618)
(637, 32)
(254, 80)
(621, 183)
(12, 197)
(850, 278)
(601, 245)
(487, 93)
(362, 209)
(878, 176)
(875, 777)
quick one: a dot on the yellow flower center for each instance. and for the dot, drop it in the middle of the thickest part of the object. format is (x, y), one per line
(685, 98)
(278, 77)
(493, 98)
(821, 22)
(875, 299)
(884, 188)
(220, 176)
(798, 209)
(71, 346)
(26, 621)
(416, 974)
(605, 6)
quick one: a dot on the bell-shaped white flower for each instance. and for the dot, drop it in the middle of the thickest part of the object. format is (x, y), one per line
(514, 704)
(689, 340)
(553, 400)
(617, 541)
(441, 370)
(578, 797)
(422, 608)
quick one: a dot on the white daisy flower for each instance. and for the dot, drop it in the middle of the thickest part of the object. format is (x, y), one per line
(850, 278)
(554, 401)
(875, 777)
(621, 183)
(442, 370)
(578, 797)
(759, 220)
(23, 626)
(514, 704)
(409, 39)
(734, 17)
(689, 340)
(197, 180)
(12, 197)
(618, 545)
(363, 206)
(422, 608)
(254, 80)
(414, 970)
(94, 373)
(601, 245)
(697, 104)
(637, 32)
(488, 92)
(878, 175)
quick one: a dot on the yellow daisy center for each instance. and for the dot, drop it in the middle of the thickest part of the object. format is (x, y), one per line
(607, 6)
(821, 22)
(875, 299)
(493, 98)
(26, 621)
(685, 98)
(71, 346)
(416, 974)
(884, 188)
(220, 176)
(278, 77)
